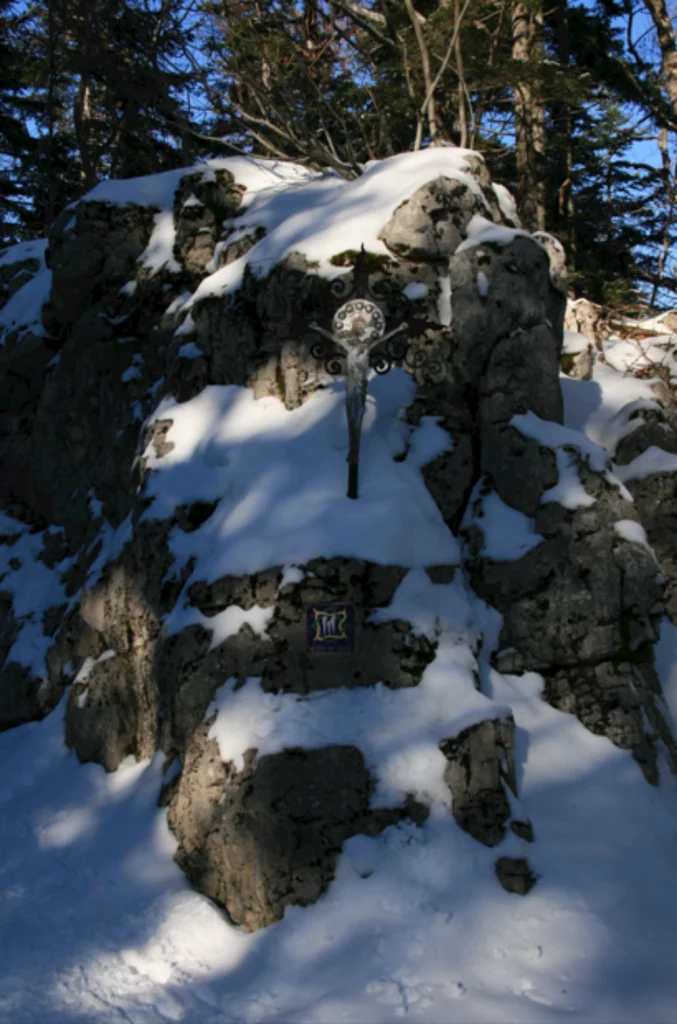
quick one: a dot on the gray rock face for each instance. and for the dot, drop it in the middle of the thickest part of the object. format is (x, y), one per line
(200, 208)
(656, 501)
(97, 253)
(388, 652)
(431, 225)
(480, 760)
(578, 365)
(654, 495)
(450, 476)
(578, 607)
(270, 836)
(519, 295)
(617, 700)
(515, 875)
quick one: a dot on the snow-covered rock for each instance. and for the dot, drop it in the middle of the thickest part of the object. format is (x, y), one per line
(175, 476)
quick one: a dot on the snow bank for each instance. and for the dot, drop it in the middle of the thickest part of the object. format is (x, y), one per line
(279, 478)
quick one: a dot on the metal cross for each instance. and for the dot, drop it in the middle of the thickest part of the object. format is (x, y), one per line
(358, 328)
(358, 342)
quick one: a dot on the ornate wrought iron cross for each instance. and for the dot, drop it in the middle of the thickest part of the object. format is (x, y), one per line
(358, 342)
(358, 331)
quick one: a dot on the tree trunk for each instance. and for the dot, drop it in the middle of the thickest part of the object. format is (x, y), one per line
(527, 49)
(462, 109)
(81, 119)
(668, 46)
(562, 110)
(49, 188)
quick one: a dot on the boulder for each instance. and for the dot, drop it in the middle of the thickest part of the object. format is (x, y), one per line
(479, 765)
(259, 840)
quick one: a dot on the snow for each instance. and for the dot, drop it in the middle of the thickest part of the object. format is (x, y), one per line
(570, 445)
(482, 284)
(481, 231)
(97, 923)
(599, 407)
(300, 210)
(23, 311)
(24, 251)
(132, 372)
(635, 533)
(328, 214)
(280, 479)
(177, 304)
(428, 442)
(89, 663)
(157, 190)
(398, 731)
(568, 491)
(191, 201)
(508, 534)
(33, 587)
(110, 542)
(556, 435)
(642, 354)
(159, 253)
(291, 574)
(653, 460)
(222, 625)
(415, 290)
(190, 351)
(506, 202)
(575, 343)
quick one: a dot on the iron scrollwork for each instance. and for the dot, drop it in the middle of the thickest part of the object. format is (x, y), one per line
(358, 342)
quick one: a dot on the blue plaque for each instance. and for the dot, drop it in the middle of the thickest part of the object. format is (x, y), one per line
(330, 628)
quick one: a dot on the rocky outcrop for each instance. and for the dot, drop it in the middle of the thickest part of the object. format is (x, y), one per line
(145, 640)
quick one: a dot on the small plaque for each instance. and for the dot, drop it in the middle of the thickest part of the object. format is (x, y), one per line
(330, 628)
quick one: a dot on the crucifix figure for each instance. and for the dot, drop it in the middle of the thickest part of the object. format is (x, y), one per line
(358, 328)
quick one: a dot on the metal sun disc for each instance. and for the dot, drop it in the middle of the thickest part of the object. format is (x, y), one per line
(358, 316)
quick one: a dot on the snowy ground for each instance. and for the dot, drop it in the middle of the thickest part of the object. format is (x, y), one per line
(98, 924)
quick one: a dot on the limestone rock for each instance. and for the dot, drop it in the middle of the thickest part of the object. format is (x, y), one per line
(617, 699)
(100, 249)
(656, 500)
(587, 318)
(200, 208)
(519, 295)
(388, 652)
(431, 224)
(479, 760)
(578, 356)
(270, 836)
(515, 875)
(20, 696)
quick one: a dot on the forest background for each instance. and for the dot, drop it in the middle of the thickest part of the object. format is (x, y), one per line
(574, 106)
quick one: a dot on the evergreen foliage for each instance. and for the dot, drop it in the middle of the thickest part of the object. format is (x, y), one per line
(556, 96)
